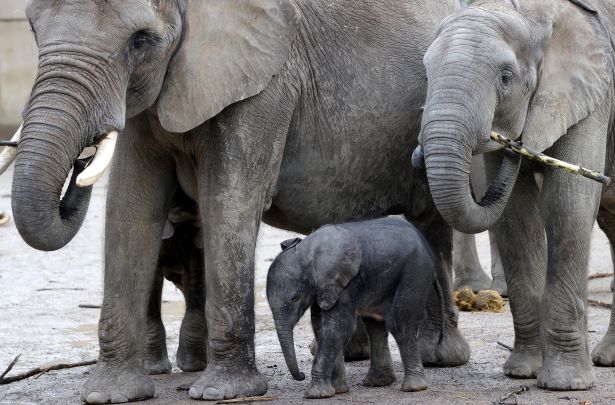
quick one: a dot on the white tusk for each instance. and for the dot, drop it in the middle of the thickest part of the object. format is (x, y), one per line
(8, 155)
(101, 161)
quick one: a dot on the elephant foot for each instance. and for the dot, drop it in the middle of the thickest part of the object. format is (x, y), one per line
(340, 387)
(379, 378)
(226, 382)
(414, 383)
(604, 354)
(560, 375)
(320, 389)
(475, 279)
(192, 350)
(453, 350)
(161, 365)
(156, 359)
(501, 287)
(523, 363)
(117, 383)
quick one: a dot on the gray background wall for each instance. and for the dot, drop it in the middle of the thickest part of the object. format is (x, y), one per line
(18, 62)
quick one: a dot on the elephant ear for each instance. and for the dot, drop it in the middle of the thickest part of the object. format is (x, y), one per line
(289, 243)
(577, 69)
(230, 51)
(336, 258)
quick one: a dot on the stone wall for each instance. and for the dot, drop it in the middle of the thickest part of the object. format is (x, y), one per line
(18, 61)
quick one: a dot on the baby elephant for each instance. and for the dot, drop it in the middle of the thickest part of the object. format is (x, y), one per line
(381, 269)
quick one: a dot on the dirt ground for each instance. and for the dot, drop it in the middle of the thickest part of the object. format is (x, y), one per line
(40, 318)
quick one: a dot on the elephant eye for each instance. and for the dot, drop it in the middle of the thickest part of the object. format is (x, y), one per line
(295, 299)
(506, 78)
(140, 39)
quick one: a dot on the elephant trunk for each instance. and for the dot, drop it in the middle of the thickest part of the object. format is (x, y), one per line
(63, 116)
(285, 335)
(45, 158)
(448, 139)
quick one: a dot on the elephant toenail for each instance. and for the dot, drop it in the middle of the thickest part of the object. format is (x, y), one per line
(194, 393)
(95, 398)
(212, 393)
(118, 399)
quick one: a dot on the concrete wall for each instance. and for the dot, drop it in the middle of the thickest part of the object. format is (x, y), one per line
(18, 61)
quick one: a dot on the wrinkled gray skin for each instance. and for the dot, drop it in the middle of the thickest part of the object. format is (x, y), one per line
(466, 265)
(382, 269)
(295, 120)
(509, 67)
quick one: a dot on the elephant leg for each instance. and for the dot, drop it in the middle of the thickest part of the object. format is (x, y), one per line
(332, 332)
(604, 353)
(497, 268)
(403, 321)
(339, 375)
(134, 227)
(358, 348)
(155, 355)
(237, 173)
(452, 350)
(381, 372)
(192, 352)
(521, 229)
(569, 205)
(468, 270)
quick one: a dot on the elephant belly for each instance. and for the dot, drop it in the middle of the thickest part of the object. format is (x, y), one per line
(362, 179)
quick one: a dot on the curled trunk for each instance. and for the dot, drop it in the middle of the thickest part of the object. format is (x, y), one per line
(448, 172)
(449, 133)
(44, 219)
(60, 122)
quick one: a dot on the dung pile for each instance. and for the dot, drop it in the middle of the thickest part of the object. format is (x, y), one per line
(485, 300)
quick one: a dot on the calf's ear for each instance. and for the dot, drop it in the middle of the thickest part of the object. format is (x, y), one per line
(336, 258)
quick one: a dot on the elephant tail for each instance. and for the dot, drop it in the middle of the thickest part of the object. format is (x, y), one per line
(438, 288)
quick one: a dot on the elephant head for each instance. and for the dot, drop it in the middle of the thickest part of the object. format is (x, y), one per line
(526, 69)
(314, 270)
(102, 62)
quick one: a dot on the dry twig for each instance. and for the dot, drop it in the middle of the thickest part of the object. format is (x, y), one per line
(600, 304)
(593, 276)
(9, 367)
(246, 400)
(511, 395)
(44, 369)
(89, 306)
(504, 345)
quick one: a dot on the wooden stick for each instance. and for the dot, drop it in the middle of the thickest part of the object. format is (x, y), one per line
(593, 276)
(9, 367)
(89, 306)
(512, 394)
(549, 161)
(504, 345)
(246, 399)
(600, 304)
(44, 369)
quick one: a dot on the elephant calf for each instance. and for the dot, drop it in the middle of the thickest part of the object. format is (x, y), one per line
(382, 269)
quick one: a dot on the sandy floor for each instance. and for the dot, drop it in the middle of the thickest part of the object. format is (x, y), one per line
(41, 319)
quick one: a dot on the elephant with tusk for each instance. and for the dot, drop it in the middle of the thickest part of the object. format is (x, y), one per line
(296, 112)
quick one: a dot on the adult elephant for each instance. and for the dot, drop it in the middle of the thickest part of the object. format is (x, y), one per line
(539, 71)
(304, 110)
